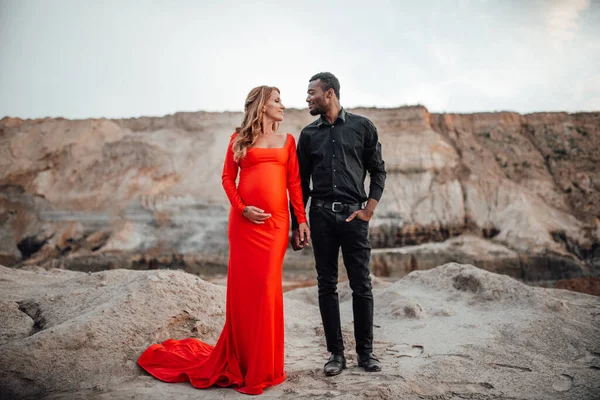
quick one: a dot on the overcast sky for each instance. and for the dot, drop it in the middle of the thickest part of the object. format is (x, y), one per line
(127, 58)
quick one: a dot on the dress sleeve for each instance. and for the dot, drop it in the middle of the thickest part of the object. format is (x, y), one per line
(293, 182)
(230, 172)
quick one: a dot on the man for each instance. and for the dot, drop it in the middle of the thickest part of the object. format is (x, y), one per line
(336, 151)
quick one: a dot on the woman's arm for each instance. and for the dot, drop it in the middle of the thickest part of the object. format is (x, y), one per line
(229, 175)
(293, 183)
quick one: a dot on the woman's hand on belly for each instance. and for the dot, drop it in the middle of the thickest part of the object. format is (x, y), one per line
(256, 215)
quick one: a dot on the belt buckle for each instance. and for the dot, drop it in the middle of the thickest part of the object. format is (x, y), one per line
(337, 203)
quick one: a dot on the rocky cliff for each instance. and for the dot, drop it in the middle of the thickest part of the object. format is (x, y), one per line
(517, 194)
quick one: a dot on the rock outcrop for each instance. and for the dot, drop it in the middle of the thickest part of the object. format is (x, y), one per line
(146, 193)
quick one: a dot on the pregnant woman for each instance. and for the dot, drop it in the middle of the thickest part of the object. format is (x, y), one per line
(249, 353)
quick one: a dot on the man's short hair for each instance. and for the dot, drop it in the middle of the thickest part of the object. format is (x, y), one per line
(329, 82)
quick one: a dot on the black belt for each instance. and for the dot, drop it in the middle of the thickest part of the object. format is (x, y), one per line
(337, 206)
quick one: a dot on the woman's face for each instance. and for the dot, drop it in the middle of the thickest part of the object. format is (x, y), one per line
(274, 107)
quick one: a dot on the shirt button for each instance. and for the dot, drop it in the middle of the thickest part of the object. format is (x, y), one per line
(334, 155)
(332, 126)
(334, 141)
(334, 185)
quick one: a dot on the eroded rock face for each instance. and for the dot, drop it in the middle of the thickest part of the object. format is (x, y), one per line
(455, 330)
(146, 192)
(516, 164)
(470, 249)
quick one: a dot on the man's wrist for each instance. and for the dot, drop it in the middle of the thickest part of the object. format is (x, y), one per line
(370, 207)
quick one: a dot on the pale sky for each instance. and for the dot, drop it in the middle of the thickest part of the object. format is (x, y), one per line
(128, 58)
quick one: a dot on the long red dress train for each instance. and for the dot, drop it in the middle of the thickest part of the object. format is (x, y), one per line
(249, 353)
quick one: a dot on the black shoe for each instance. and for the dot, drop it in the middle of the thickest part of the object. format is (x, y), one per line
(335, 365)
(369, 363)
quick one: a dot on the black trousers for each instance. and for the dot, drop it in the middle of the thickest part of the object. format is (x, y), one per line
(330, 231)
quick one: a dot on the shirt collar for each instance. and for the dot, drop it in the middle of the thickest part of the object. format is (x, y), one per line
(341, 116)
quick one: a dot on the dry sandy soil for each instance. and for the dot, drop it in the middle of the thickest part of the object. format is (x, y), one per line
(452, 332)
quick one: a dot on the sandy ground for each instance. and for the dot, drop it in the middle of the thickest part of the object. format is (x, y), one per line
(454, 332)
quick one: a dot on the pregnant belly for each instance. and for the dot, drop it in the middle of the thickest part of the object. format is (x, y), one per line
(265, 189)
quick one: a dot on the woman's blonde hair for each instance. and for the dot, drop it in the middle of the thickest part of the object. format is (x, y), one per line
(247, 134)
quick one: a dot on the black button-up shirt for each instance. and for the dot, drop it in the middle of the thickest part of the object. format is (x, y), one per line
(337, 157)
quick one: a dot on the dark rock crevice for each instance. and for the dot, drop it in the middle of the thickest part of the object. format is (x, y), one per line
(30, 245)
(37, 249)
(590, 254)
(34, 311)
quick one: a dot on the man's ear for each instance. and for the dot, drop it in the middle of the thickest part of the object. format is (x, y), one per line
(329, 93)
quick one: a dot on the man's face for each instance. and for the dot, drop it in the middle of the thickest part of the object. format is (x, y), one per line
(317, 99)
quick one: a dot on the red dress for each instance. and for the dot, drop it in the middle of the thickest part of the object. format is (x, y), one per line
(249, 353)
